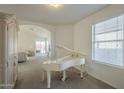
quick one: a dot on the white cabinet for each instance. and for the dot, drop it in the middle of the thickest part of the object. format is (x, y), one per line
(8, 50)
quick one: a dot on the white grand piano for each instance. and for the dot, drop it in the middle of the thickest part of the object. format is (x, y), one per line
(62, 64)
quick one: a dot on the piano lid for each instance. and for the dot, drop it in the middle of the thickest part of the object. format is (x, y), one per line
(69, 50)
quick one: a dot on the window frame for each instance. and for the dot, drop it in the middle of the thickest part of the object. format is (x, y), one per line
(93, 46)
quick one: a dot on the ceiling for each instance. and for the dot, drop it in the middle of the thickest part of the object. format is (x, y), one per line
(43, 13)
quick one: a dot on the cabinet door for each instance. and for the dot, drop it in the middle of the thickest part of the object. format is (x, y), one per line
(15, 53)
(3, 55)
(1, 74)
(10, 51)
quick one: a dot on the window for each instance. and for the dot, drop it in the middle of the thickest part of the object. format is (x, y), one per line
(107, 41)
(42, 46)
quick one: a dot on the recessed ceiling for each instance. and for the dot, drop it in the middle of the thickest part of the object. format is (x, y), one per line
(43, 13)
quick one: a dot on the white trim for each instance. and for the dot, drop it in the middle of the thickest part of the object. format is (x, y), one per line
(123, 41)
(93, 39)
(109, 31)
(104, 41)
(104, 63)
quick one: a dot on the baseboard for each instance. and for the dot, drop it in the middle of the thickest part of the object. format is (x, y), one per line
(101, 80)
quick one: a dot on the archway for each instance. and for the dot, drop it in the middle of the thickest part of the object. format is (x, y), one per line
(33, 39)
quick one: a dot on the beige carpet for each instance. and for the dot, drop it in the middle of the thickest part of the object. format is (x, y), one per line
(30, 78)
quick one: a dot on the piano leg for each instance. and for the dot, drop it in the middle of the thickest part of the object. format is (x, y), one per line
(81, 71)
(48, 79)
(64, 75)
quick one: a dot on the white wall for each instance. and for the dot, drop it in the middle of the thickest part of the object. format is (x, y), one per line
(64, 36)
(82, 42)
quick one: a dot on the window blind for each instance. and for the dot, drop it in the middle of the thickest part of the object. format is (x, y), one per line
(107, 41)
